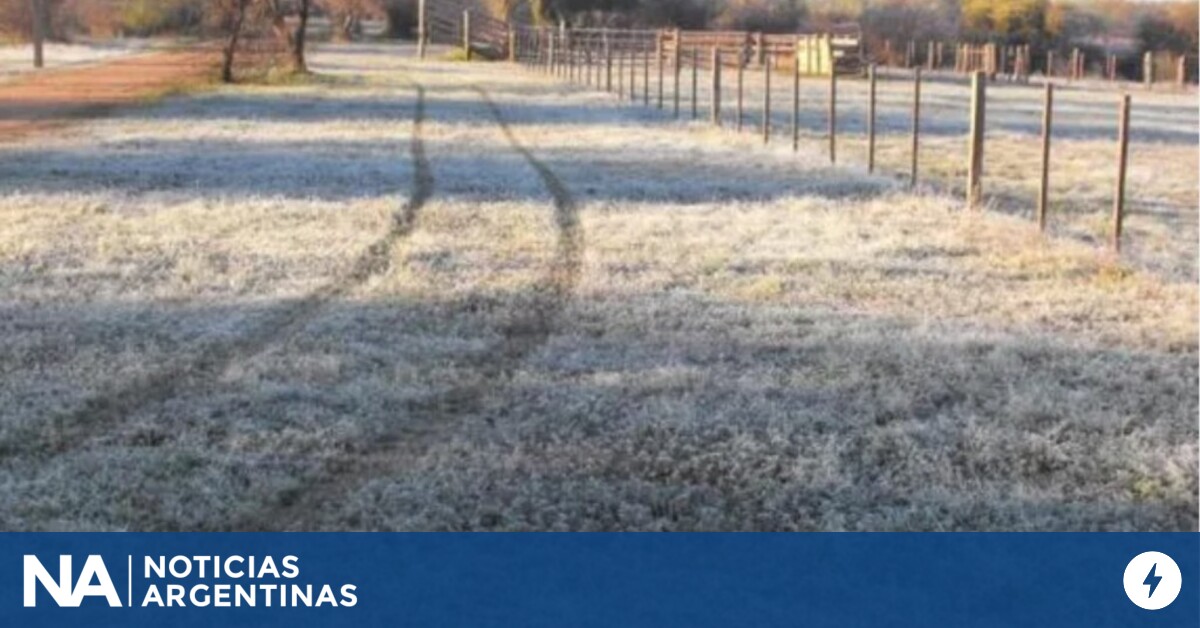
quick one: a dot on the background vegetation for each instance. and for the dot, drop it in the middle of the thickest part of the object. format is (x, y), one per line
(1150, 26)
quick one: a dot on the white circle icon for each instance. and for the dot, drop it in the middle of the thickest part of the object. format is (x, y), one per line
(1152, 580)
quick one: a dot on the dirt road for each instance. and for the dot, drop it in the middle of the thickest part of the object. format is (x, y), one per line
(51, 98)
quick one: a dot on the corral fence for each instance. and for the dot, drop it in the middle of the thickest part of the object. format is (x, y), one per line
(1016, 62)
(455, 23)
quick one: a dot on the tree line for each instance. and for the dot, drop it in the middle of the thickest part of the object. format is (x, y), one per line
(1044, 24)
(284, 22)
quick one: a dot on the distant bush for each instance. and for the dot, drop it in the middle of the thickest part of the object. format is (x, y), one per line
(779, 16)
(401, 17)
(1171, 27)
(150, 17)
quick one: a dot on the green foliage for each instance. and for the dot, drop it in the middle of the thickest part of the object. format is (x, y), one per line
(1010, 20)
(144, 16)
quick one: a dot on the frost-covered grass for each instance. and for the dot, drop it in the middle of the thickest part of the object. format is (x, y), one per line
(16, 60)
(1162, 196)
(705, 335)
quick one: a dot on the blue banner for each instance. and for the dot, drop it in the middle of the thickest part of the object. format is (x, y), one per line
(609, 580)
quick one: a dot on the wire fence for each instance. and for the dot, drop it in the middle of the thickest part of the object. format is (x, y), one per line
(735, 80)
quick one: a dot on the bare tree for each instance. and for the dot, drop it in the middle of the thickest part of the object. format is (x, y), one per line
(347, 15)
(275, 8)
(299, 60)
(232, 16)
(293, 41)
(37, 13)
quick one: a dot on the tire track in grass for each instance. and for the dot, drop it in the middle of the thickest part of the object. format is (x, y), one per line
(432, 418)
(106, 410)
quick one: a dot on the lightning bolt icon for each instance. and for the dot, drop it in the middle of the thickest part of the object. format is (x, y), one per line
(1152, 580)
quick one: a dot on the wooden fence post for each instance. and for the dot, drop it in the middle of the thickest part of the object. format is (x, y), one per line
(1181, 71)
(577, 45)
(512, 44)
(759, 50)
(38, 15)
(675, 65)
(871, 117)
(619, 56)
(621, 75)
(1049, 64)
(916, 128)
(608, 67)
(564, 52)
(695, 82)
(658, 50)
(931, 55)
(422, 29)
(595, 64)
(1044, 186)
(716, 86)
(832, 115)
(766, 120)
(645, 78)
(1148, 69)
(796, 102)
(466, 33)
(632, 76)
(569, 50)
(975, 164)
(1122, 159)
(741, 71)
(588, 63)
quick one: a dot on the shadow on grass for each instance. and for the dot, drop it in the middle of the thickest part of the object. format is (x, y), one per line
(652, 411)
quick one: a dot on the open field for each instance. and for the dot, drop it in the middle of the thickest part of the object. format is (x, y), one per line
(463, 296)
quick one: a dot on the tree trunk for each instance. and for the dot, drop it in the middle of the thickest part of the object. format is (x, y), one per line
(299, 61)
(38, 15)
(231, 45)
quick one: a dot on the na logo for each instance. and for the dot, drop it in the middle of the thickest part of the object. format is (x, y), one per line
(93, 581)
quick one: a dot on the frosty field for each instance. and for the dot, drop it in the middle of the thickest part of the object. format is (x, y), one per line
(449, 296)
